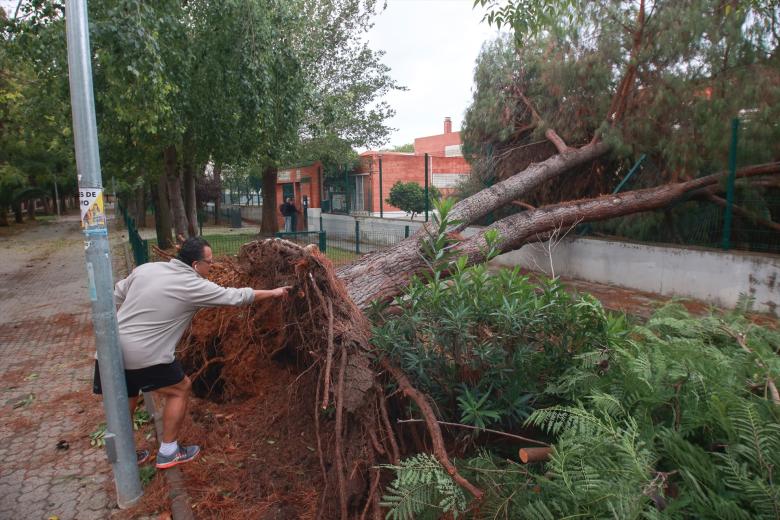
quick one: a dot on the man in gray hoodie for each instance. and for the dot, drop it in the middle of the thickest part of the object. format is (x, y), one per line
(156, 305)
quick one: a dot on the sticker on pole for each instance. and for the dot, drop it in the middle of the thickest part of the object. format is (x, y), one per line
(93, 217)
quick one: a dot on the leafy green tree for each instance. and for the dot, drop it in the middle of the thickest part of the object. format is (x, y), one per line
(410, 197)
(406, 148)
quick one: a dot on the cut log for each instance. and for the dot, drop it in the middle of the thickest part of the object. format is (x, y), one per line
(528, 455)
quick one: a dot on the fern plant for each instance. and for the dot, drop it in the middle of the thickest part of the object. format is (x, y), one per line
(667, 420)
(422, 488)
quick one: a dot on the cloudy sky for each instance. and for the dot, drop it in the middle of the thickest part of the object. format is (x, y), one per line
(431, 47)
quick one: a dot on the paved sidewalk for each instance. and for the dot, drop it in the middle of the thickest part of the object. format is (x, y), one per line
(46, 360)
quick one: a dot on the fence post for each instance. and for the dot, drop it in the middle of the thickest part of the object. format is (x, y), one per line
(406, 231)
(321, 220)
(426, 187)
(357, 237)
(381, 202)
(323, 241)
(730, 184)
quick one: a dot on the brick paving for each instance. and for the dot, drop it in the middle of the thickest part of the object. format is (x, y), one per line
(46, 360)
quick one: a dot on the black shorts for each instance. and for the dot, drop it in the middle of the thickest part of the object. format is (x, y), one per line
(145, 379)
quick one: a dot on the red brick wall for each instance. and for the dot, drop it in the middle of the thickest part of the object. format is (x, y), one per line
(435, 144)
(404, 168)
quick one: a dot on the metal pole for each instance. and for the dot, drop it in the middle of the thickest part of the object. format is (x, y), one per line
(426, 187)
(730, 184)
(631, 173)
(381, 202)
(120, 447)
(357, 237)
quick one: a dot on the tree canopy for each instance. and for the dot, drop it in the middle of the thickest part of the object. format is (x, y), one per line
(180, 84)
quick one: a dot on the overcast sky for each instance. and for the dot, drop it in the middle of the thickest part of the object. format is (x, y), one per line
(431, 47)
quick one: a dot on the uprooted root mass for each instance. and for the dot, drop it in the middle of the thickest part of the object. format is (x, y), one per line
(322, 338)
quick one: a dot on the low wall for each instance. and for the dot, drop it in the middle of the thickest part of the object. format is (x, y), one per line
(376, 231)
(715, 277)
(712, 276)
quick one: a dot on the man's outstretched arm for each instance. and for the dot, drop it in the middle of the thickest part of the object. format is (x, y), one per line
(262, 294)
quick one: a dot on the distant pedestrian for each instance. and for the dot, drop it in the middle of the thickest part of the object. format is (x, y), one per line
(288, 211)
(156, 305)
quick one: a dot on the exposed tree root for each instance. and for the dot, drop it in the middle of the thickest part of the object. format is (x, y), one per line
(316, 327)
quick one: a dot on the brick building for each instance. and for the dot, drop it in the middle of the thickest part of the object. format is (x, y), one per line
(446, 168)
(304, 185)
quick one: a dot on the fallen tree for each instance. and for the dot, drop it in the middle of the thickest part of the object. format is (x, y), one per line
(348, 394)
(323, 334)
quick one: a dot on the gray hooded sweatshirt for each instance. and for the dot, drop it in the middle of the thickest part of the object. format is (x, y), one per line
(157, 302)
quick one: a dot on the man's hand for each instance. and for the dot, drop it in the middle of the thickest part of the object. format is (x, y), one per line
(261, 294)
(280, 291)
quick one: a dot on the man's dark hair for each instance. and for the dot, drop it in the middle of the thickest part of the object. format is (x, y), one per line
(192, 250)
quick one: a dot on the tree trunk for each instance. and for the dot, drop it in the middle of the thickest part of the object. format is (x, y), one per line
(218, 182)
(190, 203)
(140, 206)
(162, 213)
(4, 216)
(47, 206)
(18, 215)
(31, 209)
(381, 275)
(269, 225)
(174, 192)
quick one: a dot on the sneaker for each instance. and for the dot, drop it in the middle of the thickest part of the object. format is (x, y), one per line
(142, 456)
(185, 454)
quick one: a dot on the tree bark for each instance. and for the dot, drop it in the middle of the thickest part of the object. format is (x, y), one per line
(140, 206)
(190, 202)
(31, 209)
(18, 215)
(162, 213)
(4, 216)
(383, 274)
(180, 223)
(218, 182)
(269, 224)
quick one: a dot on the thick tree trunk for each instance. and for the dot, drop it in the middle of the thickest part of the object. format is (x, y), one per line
(502, 193)
(174, 191)
(140, 206)
(162, 213)
(4, 216)
(18, 215)
(269, 224)
(383, 274)
(190, 202)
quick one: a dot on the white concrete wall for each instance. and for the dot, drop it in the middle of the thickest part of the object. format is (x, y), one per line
(715, 277)
(375, 231)
(709, 275)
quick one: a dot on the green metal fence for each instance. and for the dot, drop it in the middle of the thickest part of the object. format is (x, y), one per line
(139, 246)
(340, 248)
(743, 215)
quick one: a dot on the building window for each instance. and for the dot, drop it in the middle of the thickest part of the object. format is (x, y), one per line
(358, 203)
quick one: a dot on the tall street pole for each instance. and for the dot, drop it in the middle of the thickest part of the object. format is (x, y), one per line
(120, 446)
